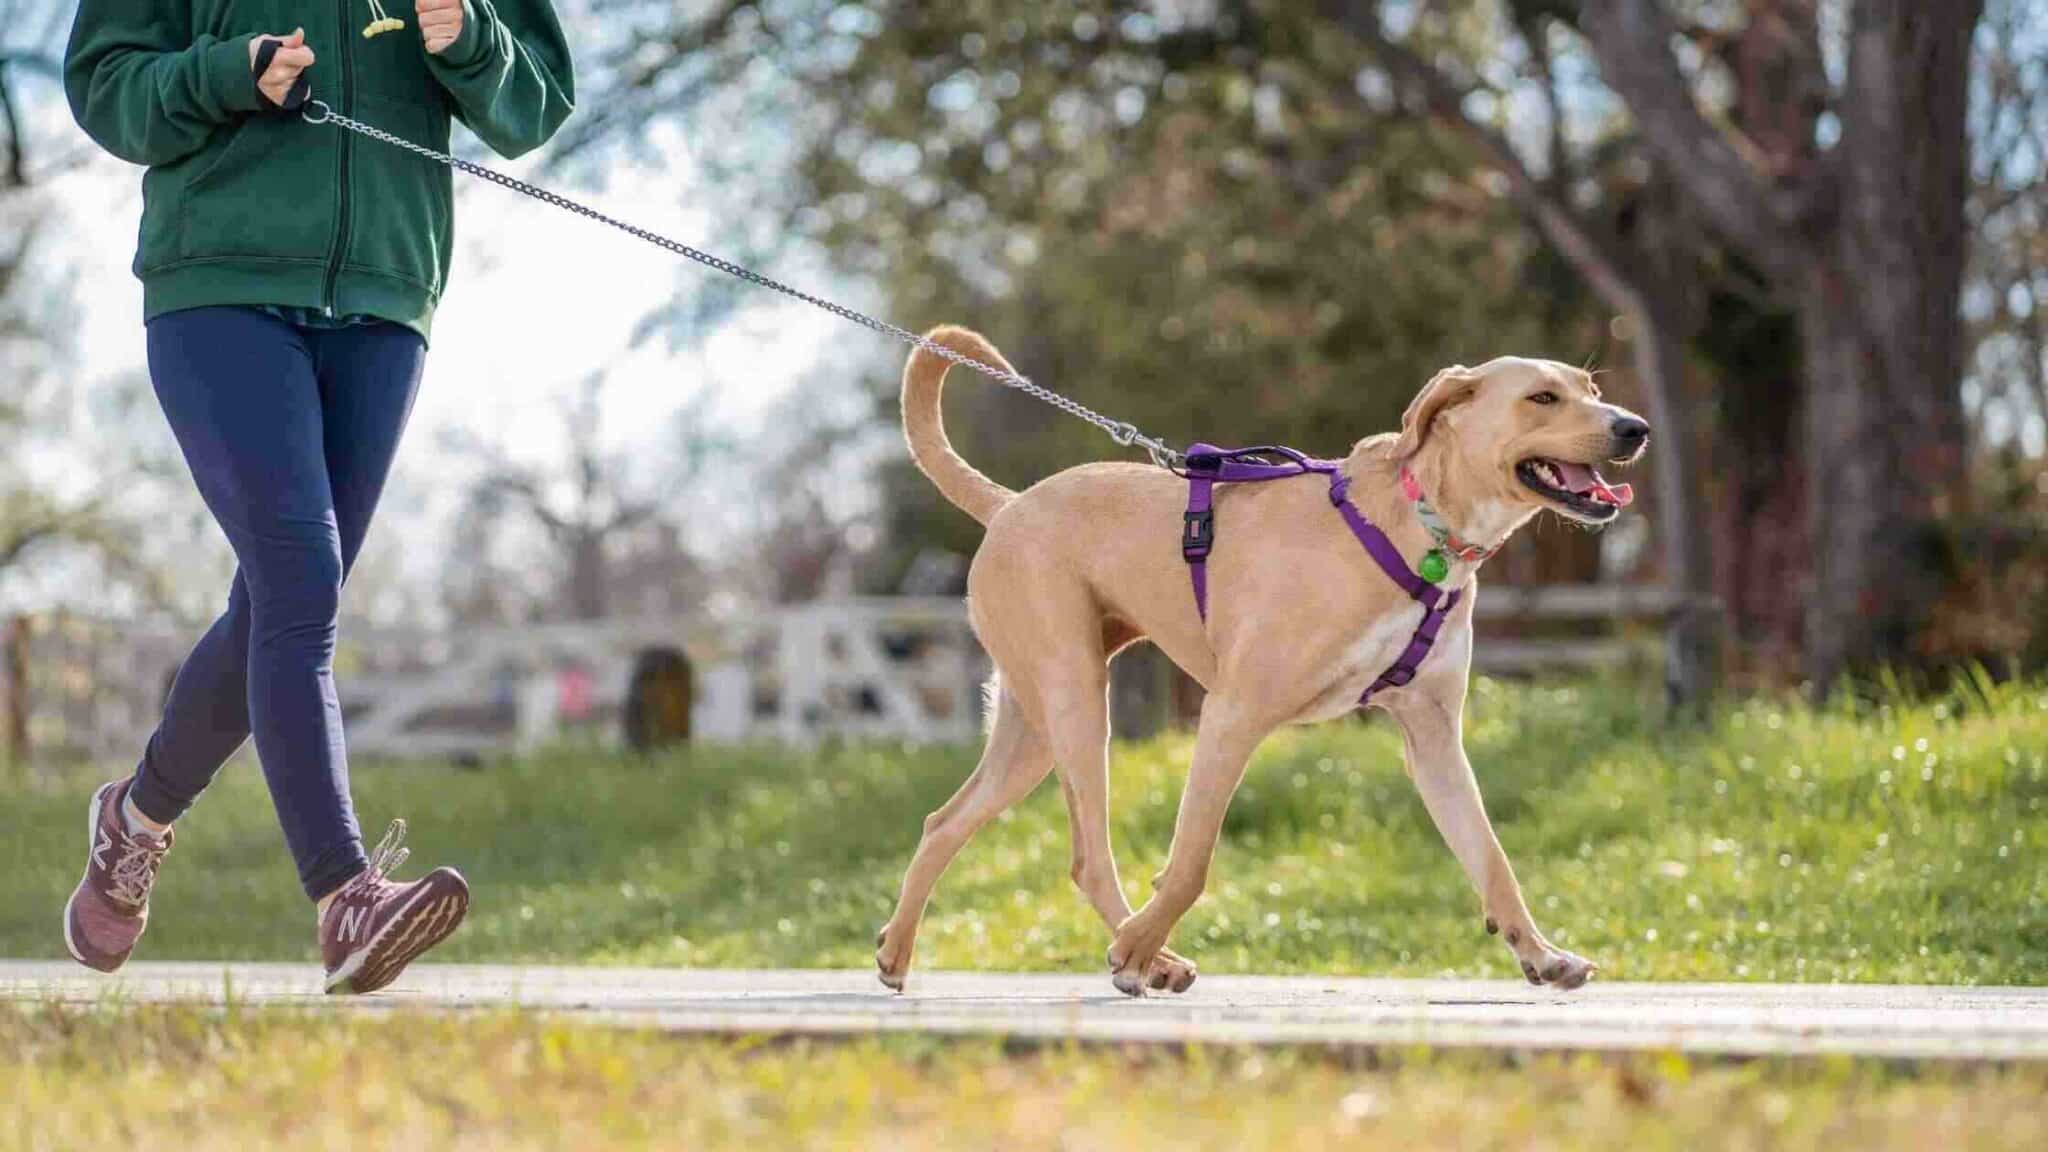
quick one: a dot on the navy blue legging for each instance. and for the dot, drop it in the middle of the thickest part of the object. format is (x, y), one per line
(290, 433)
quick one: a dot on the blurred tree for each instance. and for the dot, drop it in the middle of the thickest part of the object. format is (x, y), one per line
(601, 516)
(1617, 221)
(1857, 224)
(44, 505)
(2006, 298)
(807, 532)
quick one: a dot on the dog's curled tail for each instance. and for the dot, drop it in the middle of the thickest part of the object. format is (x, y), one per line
(925, 427)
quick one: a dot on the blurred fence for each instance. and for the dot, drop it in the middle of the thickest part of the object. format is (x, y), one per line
(890, 668)
(72, 687)
(895, 668)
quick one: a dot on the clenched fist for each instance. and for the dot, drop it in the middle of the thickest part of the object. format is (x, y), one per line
(293, 57)
(440, 23)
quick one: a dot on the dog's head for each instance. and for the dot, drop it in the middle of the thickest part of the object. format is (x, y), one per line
(1530, 431)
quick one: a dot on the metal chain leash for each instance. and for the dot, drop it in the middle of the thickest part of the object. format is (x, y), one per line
(1125, 434)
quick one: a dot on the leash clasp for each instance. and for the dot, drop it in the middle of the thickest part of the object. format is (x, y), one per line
(306, 112)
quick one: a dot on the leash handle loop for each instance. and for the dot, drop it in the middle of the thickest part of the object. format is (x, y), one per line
(296, 97)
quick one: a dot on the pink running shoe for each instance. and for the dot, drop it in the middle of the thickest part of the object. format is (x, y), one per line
(373, 927)
(110, 907)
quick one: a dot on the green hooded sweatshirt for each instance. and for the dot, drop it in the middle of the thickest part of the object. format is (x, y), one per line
(245, 205)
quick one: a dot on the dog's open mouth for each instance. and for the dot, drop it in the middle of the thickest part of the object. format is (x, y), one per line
(1577, 489)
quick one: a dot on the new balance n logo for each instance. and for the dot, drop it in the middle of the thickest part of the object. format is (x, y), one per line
(353, 920)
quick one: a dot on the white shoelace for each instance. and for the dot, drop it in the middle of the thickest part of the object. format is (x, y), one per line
(134, 871)
(389, 853)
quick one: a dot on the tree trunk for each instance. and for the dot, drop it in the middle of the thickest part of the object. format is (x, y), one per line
(15, 753)
(1883, 339)
(1691, 651)
(587, 576)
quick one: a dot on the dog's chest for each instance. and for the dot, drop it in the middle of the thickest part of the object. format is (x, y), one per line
(1372, 653)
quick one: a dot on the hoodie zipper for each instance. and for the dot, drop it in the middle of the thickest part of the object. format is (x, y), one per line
(339, 250)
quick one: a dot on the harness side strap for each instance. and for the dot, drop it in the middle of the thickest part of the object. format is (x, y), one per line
(1436, 602)
(1381, 549)
(1198, 527)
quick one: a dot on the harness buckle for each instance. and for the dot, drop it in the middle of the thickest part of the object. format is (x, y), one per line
(1198, 535)
(1399, 675)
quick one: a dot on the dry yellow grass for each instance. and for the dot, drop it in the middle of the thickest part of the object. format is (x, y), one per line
(192, 1081)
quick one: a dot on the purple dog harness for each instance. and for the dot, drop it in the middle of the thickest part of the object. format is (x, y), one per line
(1208, 466)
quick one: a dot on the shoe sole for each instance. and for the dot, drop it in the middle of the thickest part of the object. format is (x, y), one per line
(431, 916)
(92, 826)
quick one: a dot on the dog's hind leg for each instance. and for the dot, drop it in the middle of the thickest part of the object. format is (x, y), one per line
(1014, 761)
(1081, 751)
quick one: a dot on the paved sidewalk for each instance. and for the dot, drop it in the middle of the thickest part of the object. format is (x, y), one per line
(1746, 1019)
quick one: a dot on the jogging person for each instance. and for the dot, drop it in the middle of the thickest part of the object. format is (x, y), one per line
(290, 275)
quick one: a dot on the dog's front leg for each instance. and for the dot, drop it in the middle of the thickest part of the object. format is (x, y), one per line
(1223, 743)
(1431, 730)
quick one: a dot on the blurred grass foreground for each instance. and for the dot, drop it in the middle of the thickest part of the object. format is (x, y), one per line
(1893, 841)
(78, 1079)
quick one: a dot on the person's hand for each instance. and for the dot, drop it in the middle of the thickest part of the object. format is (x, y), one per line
(293, 57)
(440, 23)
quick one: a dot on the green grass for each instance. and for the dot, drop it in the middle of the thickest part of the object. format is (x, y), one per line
(209, 1080)
(1895, 842)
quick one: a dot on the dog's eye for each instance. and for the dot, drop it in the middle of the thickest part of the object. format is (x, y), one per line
(1543, 398)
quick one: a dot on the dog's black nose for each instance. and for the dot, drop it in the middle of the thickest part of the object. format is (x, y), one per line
(1630, 432)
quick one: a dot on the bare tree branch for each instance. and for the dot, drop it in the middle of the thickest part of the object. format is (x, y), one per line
(1602, 259)
(1535, 32)
(526, 492)
(1632, 40)
(16, 158)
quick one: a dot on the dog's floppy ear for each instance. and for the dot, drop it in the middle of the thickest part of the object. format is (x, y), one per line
(1453, 385)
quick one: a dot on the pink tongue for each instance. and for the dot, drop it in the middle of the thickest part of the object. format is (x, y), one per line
(1587, 482)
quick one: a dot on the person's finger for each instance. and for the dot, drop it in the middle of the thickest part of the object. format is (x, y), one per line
(440, 18)
(426, 6)
(284, 43)
(443, 26)
(292, 59)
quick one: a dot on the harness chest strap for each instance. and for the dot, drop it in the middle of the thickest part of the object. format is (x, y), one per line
(1208, 466)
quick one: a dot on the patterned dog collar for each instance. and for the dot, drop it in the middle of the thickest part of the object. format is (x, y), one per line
(1436, 564)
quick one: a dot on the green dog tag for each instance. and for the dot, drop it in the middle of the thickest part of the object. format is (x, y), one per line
(1434, 566)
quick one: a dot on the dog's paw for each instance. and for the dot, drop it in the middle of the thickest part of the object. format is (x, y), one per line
(892, 957)
(1558, 969)
(1169, 972)
(1135, 956)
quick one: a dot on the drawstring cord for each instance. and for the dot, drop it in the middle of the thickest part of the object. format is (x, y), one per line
(381, 22)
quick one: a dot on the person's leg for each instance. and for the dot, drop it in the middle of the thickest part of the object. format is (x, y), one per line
(243, 398)
(239, 391)
(371, 928)
(368, 376)
(206, 715)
